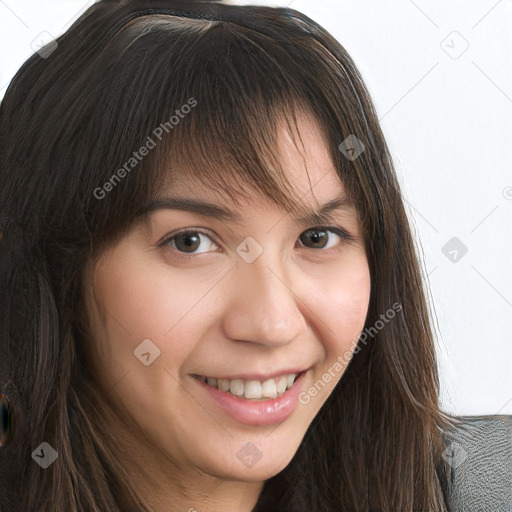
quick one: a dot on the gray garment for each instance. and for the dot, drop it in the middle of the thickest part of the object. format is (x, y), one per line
(480, 455)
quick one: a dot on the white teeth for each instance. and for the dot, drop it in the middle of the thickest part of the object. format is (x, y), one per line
(268, 389)
(236, 387)
(281, 384)
(253, 389)
(223, 384)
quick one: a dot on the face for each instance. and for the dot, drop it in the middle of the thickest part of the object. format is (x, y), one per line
(264, 305)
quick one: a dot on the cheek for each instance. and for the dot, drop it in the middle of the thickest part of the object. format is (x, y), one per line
(142, 301)
(145, 302)
(341, 309)
(342, 304)
(128, 302)
(140, 298)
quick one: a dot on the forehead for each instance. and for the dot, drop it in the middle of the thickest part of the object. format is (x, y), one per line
(304, 157)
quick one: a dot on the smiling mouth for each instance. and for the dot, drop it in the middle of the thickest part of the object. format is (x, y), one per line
(252, 389)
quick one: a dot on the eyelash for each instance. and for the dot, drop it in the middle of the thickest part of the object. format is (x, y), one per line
(345, 236)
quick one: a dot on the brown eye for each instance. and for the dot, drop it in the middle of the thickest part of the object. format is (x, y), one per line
(314, 239)
(318, 238)
(188, 242)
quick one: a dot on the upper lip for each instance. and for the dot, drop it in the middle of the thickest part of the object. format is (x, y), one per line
(259, 376)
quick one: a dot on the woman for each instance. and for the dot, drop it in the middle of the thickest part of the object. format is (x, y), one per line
(212, 299)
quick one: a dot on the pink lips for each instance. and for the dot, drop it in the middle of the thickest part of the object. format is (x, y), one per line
(256, 412)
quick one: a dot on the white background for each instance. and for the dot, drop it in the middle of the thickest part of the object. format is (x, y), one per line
(447, 116)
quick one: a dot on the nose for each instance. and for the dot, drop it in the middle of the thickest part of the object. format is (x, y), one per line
(262, 307)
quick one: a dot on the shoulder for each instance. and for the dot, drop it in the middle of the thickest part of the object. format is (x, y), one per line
(479, 453)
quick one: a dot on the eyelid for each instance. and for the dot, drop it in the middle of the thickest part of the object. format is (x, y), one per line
(174, 234)
(335, 229)
(338, 230)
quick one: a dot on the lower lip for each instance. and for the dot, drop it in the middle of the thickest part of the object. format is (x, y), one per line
(256, 412)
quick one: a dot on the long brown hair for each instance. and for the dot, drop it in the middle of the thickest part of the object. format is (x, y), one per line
(72, 119)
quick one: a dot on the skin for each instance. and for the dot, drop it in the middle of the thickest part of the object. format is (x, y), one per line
(214, 314)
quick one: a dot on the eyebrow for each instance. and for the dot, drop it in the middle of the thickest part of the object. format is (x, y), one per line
(320, 216)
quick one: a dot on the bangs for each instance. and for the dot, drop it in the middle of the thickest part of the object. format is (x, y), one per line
(215, 108)
(236, 162)
(162, 97)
